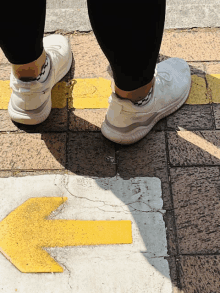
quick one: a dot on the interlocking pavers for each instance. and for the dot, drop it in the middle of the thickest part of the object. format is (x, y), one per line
(200, 273)
(57, 121)
(32, 151)
(5, 174)
(196, 208)
(91, 154)
(173, 273)
(86, 120)
(216, 109)
(6, 123)
(89, 59)
(190, 194)
(191, 117)
(190, 148)
(192, 45)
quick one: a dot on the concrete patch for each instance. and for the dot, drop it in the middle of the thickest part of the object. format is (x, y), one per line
(72, 15)
(136, 267)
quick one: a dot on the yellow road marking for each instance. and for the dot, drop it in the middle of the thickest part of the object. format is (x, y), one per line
(26, 230)
(198, 94)
(93, 93)
(5, 93)
(214, 86)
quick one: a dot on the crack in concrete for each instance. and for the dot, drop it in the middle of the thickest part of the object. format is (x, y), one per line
(162, 212)
(122, 211)
(80, 197)
(64, 183)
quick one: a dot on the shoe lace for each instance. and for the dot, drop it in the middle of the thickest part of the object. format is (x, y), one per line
(162, 81)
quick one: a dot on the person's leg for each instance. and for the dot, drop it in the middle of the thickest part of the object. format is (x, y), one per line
(129, 33)
(21, 37)
(38, 62)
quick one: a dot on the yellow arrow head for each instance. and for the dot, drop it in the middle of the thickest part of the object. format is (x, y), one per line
(26, 230)
(21, 235)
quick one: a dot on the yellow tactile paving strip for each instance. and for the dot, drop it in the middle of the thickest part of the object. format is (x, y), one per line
(93, 93)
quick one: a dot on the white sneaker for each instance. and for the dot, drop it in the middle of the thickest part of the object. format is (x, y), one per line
(126, 123)
(30, 102)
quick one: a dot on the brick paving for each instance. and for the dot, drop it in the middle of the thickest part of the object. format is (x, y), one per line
(70, 141)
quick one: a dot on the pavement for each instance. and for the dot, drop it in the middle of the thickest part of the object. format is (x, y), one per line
(72, 15)
(162, 193)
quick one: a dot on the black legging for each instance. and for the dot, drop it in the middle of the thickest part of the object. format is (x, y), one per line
(129, 33)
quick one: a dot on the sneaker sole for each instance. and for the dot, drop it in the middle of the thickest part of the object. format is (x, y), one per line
(34, 117)
(141, 131)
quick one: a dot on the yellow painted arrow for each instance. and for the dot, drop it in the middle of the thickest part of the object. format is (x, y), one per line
(26, 230)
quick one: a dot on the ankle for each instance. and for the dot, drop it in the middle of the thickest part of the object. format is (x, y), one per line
(30, 70)
(137, 94)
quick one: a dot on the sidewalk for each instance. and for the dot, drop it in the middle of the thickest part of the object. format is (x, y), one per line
(182, 150)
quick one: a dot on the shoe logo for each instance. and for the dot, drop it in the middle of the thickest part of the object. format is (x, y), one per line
(54, 47)
(24, 90)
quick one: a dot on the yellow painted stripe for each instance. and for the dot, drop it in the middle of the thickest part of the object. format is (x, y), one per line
(60, 93)
(90, 93)
(198, 94)
(214, 87)
(5, 93)
(93, 93)
(26, 230)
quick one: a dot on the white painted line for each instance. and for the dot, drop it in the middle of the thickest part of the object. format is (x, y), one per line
(137, 267)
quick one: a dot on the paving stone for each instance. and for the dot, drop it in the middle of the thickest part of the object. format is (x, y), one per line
(197, 68)
(5, 71)
(146, 158)
(192, 45)
(86, 119)
(170, 229)
(213, 82)
(91, 120)
(37, 173)
(57, 121)
(200, 273)
(5, 174)
(196, 207)
(6, 123)
(89, 59)
(32, 151)
(188, 148)
(212, 67)
(216, 109)
(160, 126)
(199, 95)
(3, 59)
(173, 272)
(91, 154)
(191, 117)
